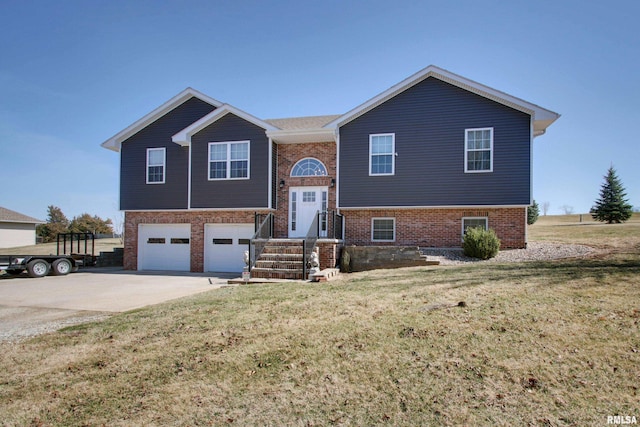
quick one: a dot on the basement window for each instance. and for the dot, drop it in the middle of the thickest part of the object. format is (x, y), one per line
(383, 229)
(473, 222)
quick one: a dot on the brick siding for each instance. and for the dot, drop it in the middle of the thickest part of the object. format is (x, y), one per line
(436, 228)
(288, 156)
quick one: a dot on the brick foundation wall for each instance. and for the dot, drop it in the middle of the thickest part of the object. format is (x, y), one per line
(436, 228)
(197, 219)
(288, 156)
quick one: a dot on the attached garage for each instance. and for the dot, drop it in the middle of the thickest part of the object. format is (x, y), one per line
(224, 246)
(164, 247)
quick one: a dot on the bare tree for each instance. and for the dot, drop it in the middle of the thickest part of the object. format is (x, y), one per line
(545, 208)
(568, 210)
(118, 225)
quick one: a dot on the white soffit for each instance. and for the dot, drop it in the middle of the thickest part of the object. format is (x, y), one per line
(542, 117)
(302, 136)
(115, 142)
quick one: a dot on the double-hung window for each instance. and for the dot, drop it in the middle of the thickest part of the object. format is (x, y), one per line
(383, 229)
(478, 150)
(229, 160)
(156, 161)
(473, 222)
(382, 154)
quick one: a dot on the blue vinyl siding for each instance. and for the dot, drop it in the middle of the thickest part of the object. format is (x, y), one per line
(429, 122)
(135, 193)
(233, 193)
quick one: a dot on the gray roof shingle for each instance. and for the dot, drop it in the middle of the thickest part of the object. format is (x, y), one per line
(7, 215)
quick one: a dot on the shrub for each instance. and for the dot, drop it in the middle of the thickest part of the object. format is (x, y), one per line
(481, 243)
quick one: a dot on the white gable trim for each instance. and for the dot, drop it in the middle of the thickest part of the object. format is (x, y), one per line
(184, 136)
(115, 142)
(543, 118)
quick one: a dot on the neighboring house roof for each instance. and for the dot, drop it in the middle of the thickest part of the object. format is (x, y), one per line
(7, 215)
(542, 117)
(114, 143)
(302, 129)
(184, 136)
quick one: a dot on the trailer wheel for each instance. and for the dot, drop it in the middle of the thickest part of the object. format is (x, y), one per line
(61, 267)
(38, 268)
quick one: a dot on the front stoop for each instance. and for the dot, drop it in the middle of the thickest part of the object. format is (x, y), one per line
(325, 275)
(280, 259)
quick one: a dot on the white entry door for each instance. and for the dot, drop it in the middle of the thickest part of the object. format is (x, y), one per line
(304, 204)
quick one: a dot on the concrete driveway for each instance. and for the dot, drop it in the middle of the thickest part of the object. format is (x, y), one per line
(32, 306)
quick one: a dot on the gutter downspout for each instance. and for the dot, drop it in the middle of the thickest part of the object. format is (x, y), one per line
(189, 180)
(270, 172)
(337, 189)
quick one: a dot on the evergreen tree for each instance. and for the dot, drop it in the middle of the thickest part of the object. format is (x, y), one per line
(612, 206)
(533, 212)
(57, 222)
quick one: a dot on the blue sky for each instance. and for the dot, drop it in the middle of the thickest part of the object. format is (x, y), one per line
(74, 73)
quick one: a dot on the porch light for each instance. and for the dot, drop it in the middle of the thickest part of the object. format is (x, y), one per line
(333, 183)
(282, 183)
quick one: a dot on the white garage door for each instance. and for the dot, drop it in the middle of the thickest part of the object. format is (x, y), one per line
(164, 247)
(224, 246)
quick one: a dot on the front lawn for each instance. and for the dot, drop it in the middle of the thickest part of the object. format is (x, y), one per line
(538, 343)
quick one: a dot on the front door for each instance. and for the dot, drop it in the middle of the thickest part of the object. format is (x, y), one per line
(304, 204)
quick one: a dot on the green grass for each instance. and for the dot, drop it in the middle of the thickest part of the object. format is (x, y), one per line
(538, 343)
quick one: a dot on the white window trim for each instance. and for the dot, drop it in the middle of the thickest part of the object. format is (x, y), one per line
(383, 218)
(393, 153)
(466, 151)
(228, 144)
(485, 218)
(164, 165)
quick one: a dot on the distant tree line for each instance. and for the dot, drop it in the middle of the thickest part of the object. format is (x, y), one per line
(57, 223)
(611, 207)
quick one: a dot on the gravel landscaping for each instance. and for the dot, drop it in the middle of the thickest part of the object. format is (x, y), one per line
(536, 251)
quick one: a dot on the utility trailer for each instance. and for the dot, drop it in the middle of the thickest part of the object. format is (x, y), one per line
(71, 254)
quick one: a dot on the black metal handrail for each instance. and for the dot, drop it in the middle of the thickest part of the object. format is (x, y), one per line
(337, 226)
(309, 242)
(263, 233)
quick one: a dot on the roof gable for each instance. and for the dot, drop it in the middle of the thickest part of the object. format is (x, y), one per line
(115, 142)
(184, 136)
(542, 117)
